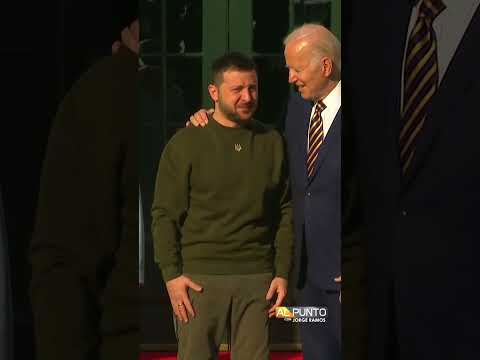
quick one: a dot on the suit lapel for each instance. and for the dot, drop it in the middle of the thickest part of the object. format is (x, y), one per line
(302, 135)
(300, 141)
(394, 43)
(454, 86)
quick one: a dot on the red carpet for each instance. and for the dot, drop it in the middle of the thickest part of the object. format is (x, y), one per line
(223, 356)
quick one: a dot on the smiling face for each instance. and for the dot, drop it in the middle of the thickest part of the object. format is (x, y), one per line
(309, 74)
(237, 95)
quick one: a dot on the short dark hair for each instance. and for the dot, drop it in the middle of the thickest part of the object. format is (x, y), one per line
(231, 61)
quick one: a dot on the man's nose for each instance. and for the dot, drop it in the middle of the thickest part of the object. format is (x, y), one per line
(246, 95)
(292, 76)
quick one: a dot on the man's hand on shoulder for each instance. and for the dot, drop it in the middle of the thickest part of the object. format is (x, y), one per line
(200, 118)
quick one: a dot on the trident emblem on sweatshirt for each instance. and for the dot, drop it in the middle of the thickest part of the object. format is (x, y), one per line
(238, 147)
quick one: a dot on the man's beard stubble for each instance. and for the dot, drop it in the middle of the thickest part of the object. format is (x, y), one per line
(231, 114)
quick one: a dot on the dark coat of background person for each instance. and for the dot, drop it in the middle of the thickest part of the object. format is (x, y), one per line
(354, 250)
(422, 233)
(84, 251)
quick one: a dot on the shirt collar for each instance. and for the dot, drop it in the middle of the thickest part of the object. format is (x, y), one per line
(334, 98)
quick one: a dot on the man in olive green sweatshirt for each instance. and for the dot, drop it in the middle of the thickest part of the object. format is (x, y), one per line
(222, 223)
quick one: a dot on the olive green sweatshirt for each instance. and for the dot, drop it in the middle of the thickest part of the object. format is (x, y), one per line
(222, 202)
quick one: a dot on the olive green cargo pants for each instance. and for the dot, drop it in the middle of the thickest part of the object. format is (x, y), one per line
(236, 300)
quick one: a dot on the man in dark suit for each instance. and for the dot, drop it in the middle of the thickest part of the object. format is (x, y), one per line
(313, 135)
(416, 132)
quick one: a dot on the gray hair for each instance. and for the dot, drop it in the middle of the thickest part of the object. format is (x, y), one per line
(323, 42)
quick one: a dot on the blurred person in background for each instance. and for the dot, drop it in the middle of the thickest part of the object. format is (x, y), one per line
(84, 287)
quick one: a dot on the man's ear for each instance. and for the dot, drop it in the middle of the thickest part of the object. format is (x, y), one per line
(213, 91)
(327, 65)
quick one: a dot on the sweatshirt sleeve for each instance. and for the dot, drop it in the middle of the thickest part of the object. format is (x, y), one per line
(284, 234)
(170, 206)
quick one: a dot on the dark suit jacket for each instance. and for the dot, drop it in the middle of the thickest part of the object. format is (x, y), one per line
(422, 230)
(316, 201)
(354, 250)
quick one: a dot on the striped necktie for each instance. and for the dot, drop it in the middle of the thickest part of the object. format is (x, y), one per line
(315, 136)
(420, 78)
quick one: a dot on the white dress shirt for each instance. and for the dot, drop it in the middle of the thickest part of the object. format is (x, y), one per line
(332, 101)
